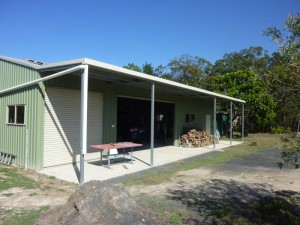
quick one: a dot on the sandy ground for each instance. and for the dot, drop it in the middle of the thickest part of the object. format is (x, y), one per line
(234, 190)
(49, 192)
(238, 182)
(257, 170)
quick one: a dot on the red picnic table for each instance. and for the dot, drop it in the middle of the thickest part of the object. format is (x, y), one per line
(108, 147)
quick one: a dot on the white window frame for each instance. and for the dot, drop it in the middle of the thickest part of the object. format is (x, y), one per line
(15, 119)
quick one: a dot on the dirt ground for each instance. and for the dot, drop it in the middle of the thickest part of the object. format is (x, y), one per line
(234, 186)
(49, 192)
(259, 169)
(237, 184)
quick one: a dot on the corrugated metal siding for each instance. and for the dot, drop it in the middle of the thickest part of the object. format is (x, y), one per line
(62, 125)
(13, 137)
(183, 105)
(111, 91)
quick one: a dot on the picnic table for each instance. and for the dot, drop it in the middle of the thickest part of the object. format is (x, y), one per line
(120, 145)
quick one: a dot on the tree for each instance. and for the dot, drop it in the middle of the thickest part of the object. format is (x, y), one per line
(147, 68)
(189, 70)
(132, 66)
(249, 87)
(161, 71)
(284, 70)
(291, 150)
(253, 58)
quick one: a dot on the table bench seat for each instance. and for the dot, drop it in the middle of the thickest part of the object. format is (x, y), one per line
(113, 153)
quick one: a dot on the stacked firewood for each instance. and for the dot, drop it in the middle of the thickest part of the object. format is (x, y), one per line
(196, 138)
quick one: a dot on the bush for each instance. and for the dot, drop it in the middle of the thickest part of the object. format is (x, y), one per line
(277, 130)
(291, 150)
(280, 130)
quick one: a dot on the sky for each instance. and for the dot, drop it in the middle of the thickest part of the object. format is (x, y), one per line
(137, 31)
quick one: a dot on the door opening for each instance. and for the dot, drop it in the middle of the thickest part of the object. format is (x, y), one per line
(133, 121)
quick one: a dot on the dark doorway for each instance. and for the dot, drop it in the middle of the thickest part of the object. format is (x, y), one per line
(134, 118)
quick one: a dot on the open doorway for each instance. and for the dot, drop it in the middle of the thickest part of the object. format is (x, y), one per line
(133, 121)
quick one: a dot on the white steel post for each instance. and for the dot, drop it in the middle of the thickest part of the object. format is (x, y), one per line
(243, 122)
(152, 123)
(215, 122)
(83, 120)
(231, 123)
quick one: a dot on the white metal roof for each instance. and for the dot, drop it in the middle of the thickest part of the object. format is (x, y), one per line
(122, 73)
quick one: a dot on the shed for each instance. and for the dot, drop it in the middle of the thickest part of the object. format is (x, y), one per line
(51, 113)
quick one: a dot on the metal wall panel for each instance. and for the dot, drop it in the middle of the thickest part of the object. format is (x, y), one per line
(183, 105)
(13, 137)
(111, 91)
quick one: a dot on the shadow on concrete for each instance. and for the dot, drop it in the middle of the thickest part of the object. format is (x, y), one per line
(104, 162)
(233, 201)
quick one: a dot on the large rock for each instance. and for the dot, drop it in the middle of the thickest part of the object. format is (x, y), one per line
(97, 202)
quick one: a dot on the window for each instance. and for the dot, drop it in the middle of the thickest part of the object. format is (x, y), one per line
(16, 114)
(190, 117)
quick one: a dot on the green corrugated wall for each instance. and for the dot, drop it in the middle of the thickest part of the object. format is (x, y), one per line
(13, 137)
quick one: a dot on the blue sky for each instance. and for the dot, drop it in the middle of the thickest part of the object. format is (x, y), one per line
(138, 31)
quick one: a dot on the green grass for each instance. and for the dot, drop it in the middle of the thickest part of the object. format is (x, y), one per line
(25, 217)
(166, 211)
(61, 190)
(11, 177)
(269, 210)
(277, 210)
(52, 178)
(264, 142)
(8, 194)
(176, 217)
(33, 194)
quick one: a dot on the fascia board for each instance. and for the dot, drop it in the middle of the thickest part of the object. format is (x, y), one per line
(154, 79)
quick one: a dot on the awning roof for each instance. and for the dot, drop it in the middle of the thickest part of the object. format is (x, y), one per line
(115, 74)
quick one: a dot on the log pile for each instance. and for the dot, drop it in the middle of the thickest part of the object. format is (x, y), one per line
(196, 138)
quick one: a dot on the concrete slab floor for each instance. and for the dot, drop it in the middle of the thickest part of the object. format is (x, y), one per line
(162, 155)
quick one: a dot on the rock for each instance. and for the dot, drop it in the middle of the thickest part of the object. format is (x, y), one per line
(97, 202)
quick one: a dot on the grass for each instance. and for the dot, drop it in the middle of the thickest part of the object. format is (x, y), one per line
(277, 209)
(61, 190)
(176, 217)
(268, 210)
(265, 210)
(12, 177)
(8, 194)
(264, 142)
(24, 217)
(33, 194)
(52, 178)
(165, 210)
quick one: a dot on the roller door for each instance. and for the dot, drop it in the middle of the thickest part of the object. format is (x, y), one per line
(62, 125)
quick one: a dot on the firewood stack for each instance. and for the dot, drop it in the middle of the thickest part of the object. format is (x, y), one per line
(196, 138)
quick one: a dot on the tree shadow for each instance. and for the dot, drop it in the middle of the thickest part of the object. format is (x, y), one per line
(230, 202)
(263, 160)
